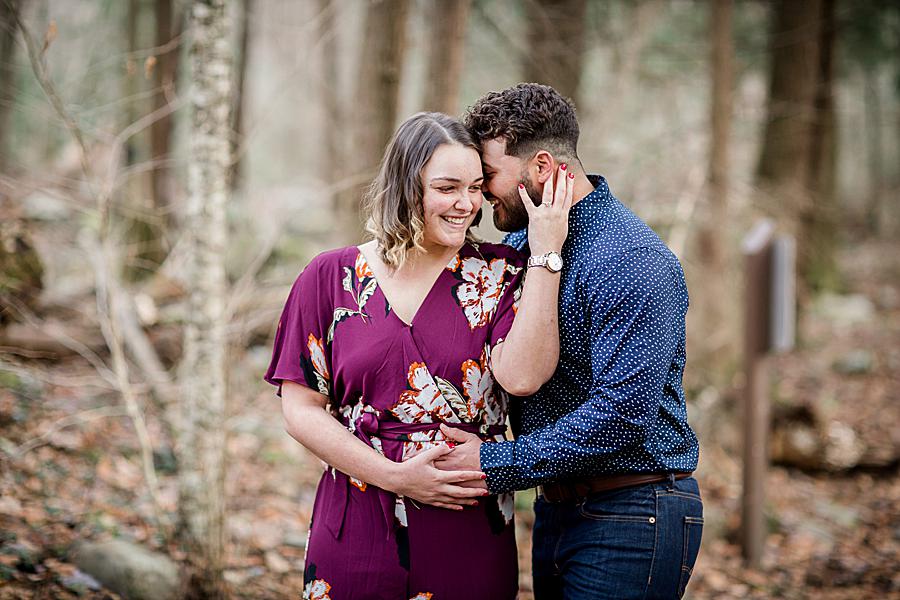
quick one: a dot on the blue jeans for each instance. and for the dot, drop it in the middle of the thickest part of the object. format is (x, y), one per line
(638, 542)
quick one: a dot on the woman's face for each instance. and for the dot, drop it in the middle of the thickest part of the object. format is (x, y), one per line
(452, 182)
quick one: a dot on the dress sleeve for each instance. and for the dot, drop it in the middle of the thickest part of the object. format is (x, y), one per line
(513, 279)
(301, 352)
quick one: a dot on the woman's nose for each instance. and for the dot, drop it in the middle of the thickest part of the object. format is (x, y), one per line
(465, 201)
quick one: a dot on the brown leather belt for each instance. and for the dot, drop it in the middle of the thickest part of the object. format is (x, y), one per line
(567, 491)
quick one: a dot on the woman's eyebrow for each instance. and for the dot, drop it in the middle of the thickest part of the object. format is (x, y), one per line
(452, 179)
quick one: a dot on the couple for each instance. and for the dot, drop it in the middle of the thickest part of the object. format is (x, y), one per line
(399, 361)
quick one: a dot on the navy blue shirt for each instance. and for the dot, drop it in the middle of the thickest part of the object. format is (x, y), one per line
(615, 404)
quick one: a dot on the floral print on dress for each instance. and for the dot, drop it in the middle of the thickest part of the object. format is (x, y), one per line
(319, 366)
(354, 415)
(422, 596)
(420, 441)
(360, 283)
(478, 292)
(478, 386)
(317, 590)
(424, 401)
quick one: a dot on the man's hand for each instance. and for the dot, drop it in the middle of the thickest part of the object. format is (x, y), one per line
(466, 455)
(421, 479)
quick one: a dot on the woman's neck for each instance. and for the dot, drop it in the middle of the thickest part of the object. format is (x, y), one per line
(431, 256)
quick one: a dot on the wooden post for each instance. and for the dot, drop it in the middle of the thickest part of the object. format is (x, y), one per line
(757, 250)
(783, 317)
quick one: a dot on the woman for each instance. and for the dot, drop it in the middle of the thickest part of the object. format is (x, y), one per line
(394, 337)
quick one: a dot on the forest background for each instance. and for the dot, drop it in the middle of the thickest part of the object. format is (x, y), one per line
(167, 167)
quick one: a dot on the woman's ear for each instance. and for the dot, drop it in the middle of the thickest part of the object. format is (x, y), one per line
(544, 165)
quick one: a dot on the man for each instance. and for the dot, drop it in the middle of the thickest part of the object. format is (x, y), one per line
(606, 440)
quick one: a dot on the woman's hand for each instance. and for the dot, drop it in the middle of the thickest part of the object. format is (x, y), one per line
(418, 479)
(548, 223)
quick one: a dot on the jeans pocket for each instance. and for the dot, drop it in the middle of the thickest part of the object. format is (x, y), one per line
(693, 532)
(636, 504)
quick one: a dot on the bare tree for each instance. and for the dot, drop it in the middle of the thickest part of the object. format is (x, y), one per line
(239, 93)
(445, 54)
(9, 12)
(556, 44)
(378, 84)
(819, 221)
(202, 371)
(713, 237)
(783, 170)
(168, 32)
(334, 155)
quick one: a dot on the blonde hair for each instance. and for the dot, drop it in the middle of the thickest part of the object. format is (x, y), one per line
(393, 202)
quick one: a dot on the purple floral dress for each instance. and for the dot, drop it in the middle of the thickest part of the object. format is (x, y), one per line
(392, 384)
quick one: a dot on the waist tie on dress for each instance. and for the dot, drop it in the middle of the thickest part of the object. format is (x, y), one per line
(365, 427)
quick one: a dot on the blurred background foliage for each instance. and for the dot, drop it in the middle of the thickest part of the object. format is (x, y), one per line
(703, 115)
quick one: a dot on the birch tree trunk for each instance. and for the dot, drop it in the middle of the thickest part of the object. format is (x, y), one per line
(445, 59)
(202, 374)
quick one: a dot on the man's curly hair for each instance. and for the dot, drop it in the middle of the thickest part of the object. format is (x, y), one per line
(530, 117)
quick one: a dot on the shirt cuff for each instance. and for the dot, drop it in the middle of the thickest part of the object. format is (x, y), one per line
(498, 463)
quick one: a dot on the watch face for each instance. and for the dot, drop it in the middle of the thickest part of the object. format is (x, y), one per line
(554, 262)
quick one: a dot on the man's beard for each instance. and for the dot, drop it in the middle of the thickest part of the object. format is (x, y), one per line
(514, 216)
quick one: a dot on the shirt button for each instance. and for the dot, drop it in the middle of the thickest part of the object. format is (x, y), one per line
(653, 519)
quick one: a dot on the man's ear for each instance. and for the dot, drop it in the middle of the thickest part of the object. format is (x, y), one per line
(544, 164)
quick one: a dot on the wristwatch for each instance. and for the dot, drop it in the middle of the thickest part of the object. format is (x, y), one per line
(551, 261)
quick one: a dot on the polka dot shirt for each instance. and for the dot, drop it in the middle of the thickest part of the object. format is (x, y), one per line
(615, 404)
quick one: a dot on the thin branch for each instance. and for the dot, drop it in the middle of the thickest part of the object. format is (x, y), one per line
(108, 300)
(78, 418)
(40, 72)
(45, 376)
(72, 344)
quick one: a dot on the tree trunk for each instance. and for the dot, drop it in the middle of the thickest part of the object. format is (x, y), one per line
(239, 90)
(145, 235)
(131, 85)
(714, 298)
(334, 154)
(874, 149)
(819, 221)
(556, 44)
(445, 59)
(168, 27)
(378, 84)
(8, 28)
(202, 371)
(783, 170)
(722, 61)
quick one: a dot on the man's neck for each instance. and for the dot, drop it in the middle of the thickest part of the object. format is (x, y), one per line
(583, 186)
